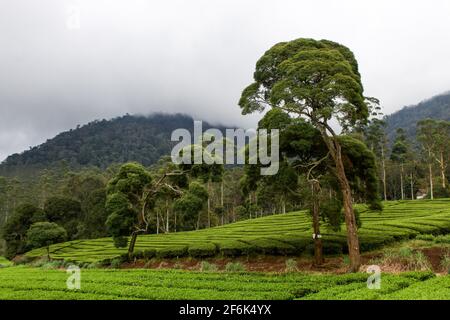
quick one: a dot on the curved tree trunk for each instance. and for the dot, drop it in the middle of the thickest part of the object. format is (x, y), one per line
(349, 214)
(318, 252)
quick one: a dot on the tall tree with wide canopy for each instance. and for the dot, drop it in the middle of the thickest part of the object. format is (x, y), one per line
(303, 153)
(318, 80)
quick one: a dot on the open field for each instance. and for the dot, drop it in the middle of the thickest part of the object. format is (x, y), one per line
(35, 283)
(278, 234)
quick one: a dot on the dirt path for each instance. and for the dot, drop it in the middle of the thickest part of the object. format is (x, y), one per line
(334, 264)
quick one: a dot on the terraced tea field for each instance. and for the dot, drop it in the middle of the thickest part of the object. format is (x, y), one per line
(278, 234)
(34, 283)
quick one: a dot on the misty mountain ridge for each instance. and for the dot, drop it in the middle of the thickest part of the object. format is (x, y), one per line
(100, 143)
(437, 107)
(146, 139)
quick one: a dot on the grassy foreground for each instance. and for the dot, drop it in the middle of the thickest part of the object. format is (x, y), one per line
(35, 283)
(278, 234)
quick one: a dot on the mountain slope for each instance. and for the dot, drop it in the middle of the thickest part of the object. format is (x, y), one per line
(101, 143)
(437, 107)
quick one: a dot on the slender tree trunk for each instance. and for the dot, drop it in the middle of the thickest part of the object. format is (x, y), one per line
(430, 172)
(350, 219)
(383, 164)
(157, 223)
(318, 252)
(209, 204)
(48, 253)
(132, 244)
(412, 186)
(175, 221)
(221, 201)
(167, 216)
(442, 167)
(401, 182)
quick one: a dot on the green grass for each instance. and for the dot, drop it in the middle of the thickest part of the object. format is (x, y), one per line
(36, 283)
(283, 234)
(4, 262)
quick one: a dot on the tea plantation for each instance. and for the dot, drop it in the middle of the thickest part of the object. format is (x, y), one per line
(35, 283)
(283, 234)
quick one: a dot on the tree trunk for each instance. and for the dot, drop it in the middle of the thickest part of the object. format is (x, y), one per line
(132, 245)
(383, 163)
(318, 252)
(167, 216)
(221, 201)
(430, 171)
(157, 223)
(209, 204)
(350, 220)
(401, 182)
(412, 186)
(175, 221)
(48, 253)
(442, 167)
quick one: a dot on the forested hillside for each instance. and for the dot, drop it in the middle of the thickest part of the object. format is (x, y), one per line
(437, 107)
(103, 142)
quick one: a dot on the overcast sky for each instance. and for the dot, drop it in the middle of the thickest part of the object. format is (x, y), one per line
(195, 57)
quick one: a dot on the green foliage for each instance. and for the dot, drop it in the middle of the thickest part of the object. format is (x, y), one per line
(65, 212)
(234, 267)
(44, 234)
(291, 265)
(14, 231)
(172, 252)
(200, 250)
(205, 266)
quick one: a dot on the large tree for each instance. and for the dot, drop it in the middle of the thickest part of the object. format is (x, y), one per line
(318, 80)
(304, 156)
(44, 234)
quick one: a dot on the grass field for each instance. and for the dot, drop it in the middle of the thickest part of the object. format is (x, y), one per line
(35, 283)
(4, 262)
(278, 234)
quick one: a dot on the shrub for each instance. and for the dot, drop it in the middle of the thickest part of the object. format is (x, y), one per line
(271, 246)
(200, 250)
(425, 237)
(291, 265)
(39, 262)
(411, 260)
(53, 264)
(172, 252)
(149, 253)
(445, 262)
(93, 265)
(442, 239)
(115, 263)
(205, 266)
(235, 248)
(328, 248)
(234, 267)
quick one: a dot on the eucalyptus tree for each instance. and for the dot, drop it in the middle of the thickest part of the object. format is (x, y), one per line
(399, 154)
(376, 139)
(425, 135)
(318, 80)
